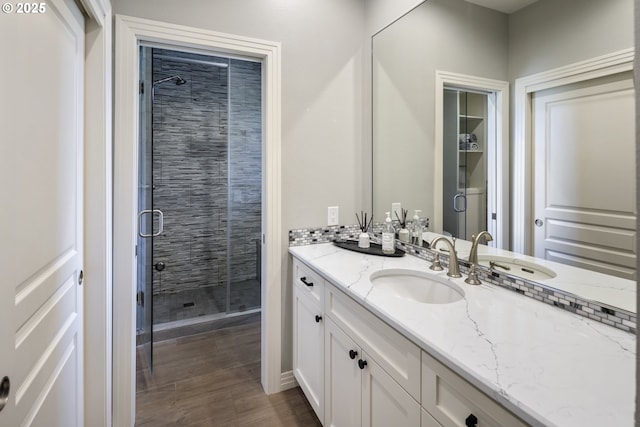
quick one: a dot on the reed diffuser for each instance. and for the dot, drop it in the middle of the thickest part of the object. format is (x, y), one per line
(403, 234)
(363, 239)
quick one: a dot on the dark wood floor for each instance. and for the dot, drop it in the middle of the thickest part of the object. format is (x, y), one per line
(213, 379)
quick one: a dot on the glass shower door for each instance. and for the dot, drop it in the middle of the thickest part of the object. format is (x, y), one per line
(144, 251)
(454, 176)
(244, 208)
(200, 168)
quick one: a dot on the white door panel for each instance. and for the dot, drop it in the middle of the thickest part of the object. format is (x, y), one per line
(41, 140)
(584, 175)
(605, 237)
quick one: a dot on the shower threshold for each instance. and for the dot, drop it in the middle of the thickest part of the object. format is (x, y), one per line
(201, 319)
(202, 324)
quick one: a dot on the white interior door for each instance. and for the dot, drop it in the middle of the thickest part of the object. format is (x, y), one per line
(41, 138)
(584, 175)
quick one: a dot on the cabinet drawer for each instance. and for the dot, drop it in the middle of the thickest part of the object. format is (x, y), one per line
(307, 280)
(451, 400)
(398, 356)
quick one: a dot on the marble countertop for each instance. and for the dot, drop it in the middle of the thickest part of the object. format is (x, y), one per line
(548, 366)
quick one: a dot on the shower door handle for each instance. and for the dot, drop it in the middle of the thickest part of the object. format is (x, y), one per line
(160, 222)
(457, 197)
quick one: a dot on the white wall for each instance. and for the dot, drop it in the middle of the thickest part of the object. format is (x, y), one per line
(551, 33)
(381, 13)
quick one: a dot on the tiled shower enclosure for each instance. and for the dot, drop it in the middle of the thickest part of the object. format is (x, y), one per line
(206, 129)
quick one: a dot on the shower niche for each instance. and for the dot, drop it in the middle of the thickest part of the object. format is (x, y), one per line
(200, 189)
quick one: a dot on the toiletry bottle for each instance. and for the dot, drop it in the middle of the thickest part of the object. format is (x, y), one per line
(416, 229)
(388, 236)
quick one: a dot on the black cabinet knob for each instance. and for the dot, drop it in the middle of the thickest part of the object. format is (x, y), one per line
(318, 318)
(362, 363)
(471, 421)
(353, 354)
(304, 280)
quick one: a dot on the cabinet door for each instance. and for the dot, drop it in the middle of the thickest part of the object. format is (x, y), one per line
(427, 420)
(384, 402)
(308, 349)
(342, 379)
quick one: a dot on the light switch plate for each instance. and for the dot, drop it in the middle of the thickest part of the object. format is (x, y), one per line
(332, 215)
(396, 208)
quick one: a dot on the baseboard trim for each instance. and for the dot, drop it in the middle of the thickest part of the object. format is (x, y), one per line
(287, 381)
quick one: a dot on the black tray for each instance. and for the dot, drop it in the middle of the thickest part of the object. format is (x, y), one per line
(374, 249)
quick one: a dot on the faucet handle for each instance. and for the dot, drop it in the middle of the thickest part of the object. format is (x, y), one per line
(473, 276)
(436, 266)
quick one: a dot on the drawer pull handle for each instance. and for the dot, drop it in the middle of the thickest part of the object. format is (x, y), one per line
(471, 421)
(362, 363)
(353, 354)
(318, 318)
(304, 280)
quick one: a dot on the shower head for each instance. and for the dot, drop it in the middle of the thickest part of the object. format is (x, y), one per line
(179, 80)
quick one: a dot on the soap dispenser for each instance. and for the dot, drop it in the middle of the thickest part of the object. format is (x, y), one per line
(416, 229)
(388, 236)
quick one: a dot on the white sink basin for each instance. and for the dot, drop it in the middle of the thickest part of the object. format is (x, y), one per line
(517, 267)
(416, 286)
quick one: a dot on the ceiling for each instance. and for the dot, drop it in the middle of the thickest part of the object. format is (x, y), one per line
(506, 6)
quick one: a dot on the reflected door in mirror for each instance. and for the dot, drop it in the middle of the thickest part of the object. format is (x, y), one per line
(465, 141)
(584, 186)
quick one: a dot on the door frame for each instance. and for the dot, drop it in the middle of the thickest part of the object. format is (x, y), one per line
(129, 33)
(497, 156)
(98, 202)
(522, 162)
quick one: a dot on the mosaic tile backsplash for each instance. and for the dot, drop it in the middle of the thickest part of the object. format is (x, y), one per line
(599, 312)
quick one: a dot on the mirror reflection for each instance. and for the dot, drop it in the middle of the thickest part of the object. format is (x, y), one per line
(464, 161)
(447, 83)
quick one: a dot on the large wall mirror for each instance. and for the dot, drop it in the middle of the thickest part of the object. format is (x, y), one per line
(451, 85)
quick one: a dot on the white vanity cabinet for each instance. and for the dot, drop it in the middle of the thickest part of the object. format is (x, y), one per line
(356, 370)
(308, 335)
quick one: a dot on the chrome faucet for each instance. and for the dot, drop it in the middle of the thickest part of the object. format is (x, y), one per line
(454, 270)
(473, 255)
